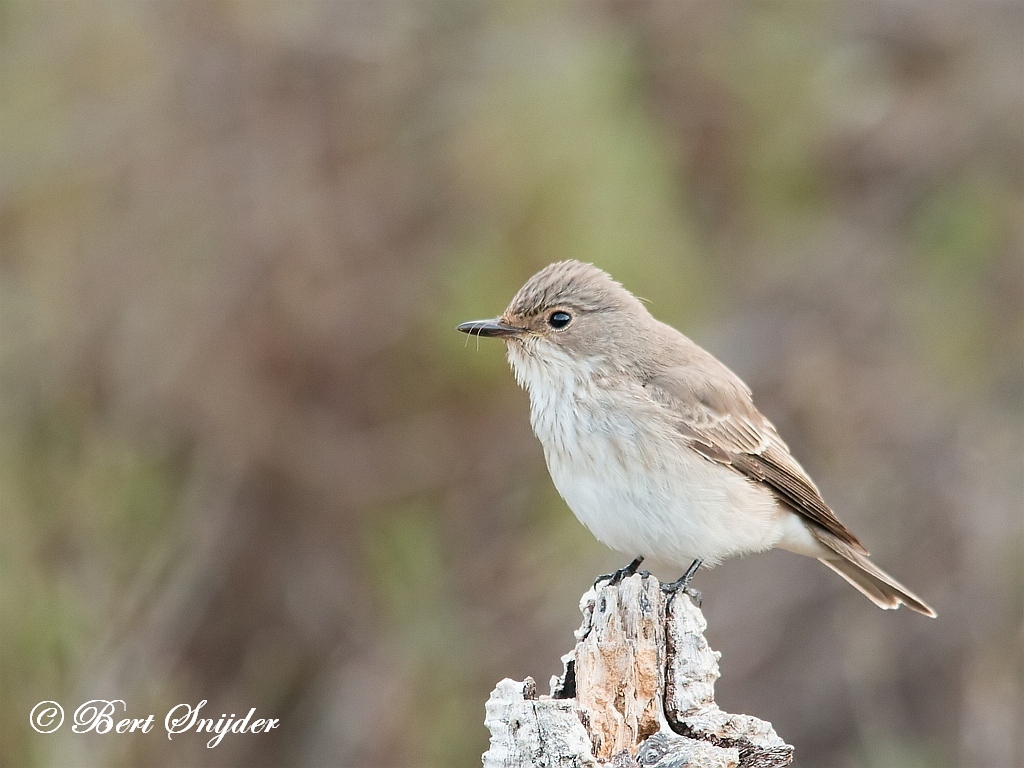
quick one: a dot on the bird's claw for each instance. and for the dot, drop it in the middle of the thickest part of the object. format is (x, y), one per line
(617, 576)
(682, 584)
(671, 590)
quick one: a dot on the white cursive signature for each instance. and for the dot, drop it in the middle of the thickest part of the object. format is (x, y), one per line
(189, 720)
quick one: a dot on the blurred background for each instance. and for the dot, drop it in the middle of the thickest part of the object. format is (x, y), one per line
(244, 456)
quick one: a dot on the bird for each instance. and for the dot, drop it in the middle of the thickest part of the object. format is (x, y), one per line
(655, 445)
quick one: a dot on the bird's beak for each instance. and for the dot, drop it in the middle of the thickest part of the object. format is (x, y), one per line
(490, 328)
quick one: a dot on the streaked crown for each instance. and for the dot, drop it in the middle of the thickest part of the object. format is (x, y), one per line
(573, 284)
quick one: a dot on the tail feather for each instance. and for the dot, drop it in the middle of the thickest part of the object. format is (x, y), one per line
(874, 583)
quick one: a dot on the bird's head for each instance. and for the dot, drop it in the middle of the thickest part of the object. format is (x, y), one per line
(568, 319)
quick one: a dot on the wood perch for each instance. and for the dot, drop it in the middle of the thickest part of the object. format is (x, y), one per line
(638, 690)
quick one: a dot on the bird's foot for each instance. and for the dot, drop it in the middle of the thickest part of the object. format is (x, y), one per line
(614, 578)
(693, 594)
(682, 584)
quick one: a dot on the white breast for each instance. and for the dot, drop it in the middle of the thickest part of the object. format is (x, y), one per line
(622, 468)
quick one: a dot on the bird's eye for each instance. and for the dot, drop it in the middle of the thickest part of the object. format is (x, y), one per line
(559, 319)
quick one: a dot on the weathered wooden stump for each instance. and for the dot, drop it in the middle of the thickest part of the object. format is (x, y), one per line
(638, 690)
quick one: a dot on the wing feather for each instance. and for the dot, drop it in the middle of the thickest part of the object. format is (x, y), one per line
(718, 419)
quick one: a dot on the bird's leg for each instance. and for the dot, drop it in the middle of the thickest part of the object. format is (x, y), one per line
(622, 573)
(682, 583)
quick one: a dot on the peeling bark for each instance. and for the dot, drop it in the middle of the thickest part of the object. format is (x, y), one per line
(638, 690)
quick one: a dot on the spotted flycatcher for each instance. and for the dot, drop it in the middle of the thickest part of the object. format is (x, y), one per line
(655, 445)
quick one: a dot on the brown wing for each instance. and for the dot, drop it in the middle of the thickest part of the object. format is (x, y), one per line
(718, 419)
